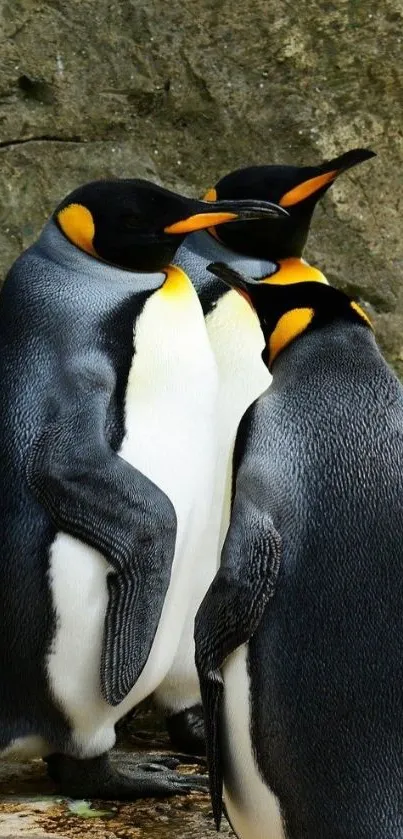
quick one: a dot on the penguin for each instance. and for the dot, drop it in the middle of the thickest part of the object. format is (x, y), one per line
(257, 249)
(298, 640)
(107, 412)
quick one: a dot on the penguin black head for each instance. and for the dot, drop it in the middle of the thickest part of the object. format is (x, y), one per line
(288, 308)
(298, 188)
(137, 225)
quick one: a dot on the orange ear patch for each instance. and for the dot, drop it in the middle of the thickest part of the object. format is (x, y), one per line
(288, 327)
(77, 224)
(211, 195)
(304, 190)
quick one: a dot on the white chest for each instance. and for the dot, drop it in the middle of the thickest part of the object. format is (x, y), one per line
(171, 399)
(170, 436)
(253, 809)
(237, 341)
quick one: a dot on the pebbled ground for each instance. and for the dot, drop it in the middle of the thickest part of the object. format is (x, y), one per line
(29, 805)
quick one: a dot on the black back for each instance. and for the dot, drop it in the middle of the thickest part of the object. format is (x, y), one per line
(58, 309)
(322, 452)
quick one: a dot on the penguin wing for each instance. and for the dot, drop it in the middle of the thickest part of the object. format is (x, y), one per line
(94, 495)
(229, 615)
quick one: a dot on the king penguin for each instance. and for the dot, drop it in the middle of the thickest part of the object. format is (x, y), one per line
(107, 412)
(258, 249)
(298, 640)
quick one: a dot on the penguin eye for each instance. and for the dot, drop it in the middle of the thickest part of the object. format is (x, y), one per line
(133, 221)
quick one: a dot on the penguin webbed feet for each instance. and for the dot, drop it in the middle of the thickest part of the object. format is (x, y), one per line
(99, 778)
(186, 730)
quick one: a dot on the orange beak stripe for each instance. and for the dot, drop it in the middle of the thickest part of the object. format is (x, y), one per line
(304, 190)
(199, 222)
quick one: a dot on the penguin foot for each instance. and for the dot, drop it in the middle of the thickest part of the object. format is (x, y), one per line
(98, 778)
(186, 730)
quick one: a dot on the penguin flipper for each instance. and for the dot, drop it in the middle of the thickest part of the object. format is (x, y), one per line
(94, 495)
(229, 615)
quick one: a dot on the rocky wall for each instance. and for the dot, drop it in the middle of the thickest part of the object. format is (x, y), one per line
(181, 91)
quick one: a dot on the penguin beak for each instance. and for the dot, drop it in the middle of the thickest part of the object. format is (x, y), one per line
(225, 211)
(329, 170)
(232, 278)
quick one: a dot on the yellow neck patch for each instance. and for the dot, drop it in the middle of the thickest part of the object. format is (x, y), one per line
(177, 283)
(294, 270)
(288, 327)
(77, 224)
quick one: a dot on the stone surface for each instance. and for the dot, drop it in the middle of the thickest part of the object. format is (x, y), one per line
(181, 92)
